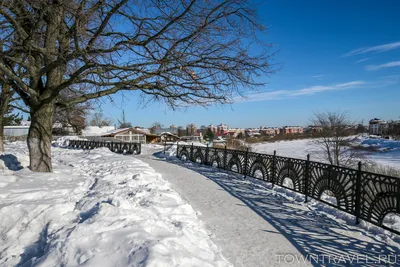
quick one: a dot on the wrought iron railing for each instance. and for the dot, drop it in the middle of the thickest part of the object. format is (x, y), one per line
(117, 147)
(367, 196)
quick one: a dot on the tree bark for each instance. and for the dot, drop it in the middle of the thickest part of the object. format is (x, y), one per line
(1, 135)
(39, 138)
(5, 96)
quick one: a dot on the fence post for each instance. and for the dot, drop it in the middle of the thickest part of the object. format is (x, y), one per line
(358, 194)
(398, 196)
(246, 159)
(165, 146)
(225, 157)
(273, 176)
(177, 149)
(191, 152)
(307, 178)
(206, 157)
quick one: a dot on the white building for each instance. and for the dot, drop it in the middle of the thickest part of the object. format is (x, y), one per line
(378, 126)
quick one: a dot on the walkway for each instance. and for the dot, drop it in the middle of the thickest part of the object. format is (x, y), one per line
(254, 227)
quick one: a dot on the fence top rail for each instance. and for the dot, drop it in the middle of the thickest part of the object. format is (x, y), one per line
(297, 159)
(106, 141)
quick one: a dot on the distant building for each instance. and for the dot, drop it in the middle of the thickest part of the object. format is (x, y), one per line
(394, 128)
(222, 129)
(191, 129)
(292, 130)
(236, 132)
(213, 128)
(313, 129)
(270, 131)
(252, 132)
(182, 131)
(172, 129)
(378, 127)
(169, 137)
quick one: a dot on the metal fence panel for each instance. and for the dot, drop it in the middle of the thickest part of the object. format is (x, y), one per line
(368, 196)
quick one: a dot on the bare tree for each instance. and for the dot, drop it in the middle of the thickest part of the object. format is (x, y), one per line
(123, 123)
(99, 120)
(180, 52)
(335, 129)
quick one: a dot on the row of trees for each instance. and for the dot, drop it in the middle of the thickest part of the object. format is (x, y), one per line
(179, 52)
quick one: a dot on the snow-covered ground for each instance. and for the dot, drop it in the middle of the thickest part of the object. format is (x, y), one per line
(97, 208)
(312, 228)
(385, 152)
(382, 151)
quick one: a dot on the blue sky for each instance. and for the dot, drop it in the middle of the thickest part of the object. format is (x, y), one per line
(335, 55)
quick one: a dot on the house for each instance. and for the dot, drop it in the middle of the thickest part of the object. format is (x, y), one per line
(191, 129)
(168, 137)
(292, 130)
(222, 129)
(236, 132)
(270, 131)
(132, 135)
(378, 127)
(313, 129)
(20, 130)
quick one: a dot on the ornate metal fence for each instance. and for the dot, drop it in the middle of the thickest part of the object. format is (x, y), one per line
(367, 196)
(117, 147)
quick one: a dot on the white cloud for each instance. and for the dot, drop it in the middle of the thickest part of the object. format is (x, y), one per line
(378, 48)
(320, 88)
(274, 95)
(261, 96)
(382, 66)
(362, 60)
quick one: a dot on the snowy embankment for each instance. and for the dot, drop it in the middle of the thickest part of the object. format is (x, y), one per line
(312, 228)
(97, 208)
(382, 151)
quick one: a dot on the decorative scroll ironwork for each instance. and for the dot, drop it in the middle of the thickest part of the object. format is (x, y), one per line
(368, 196)
(379, 197)
(117, 147)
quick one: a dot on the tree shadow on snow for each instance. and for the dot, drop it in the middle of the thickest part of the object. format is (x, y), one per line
(32, 253)
(11, 162)
(313, 233)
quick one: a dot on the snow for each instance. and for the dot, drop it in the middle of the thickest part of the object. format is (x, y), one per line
(96, 130)
(387, 152)
(63, 141)
(382, 151)
(253, 221)
(97, 208)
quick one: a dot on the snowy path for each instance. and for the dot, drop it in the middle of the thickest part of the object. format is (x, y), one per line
(255, 226)
(98, 209)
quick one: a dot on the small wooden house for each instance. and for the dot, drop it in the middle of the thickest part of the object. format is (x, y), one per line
(169, 137)
(133, 135)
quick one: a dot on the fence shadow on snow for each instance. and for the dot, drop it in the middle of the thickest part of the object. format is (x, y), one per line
(312, 233)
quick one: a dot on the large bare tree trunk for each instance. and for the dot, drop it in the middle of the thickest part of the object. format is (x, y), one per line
(5, 96)
(1, 135)
(39, 138)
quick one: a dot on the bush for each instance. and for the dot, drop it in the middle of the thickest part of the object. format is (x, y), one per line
(234, 144)
(381, 169)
